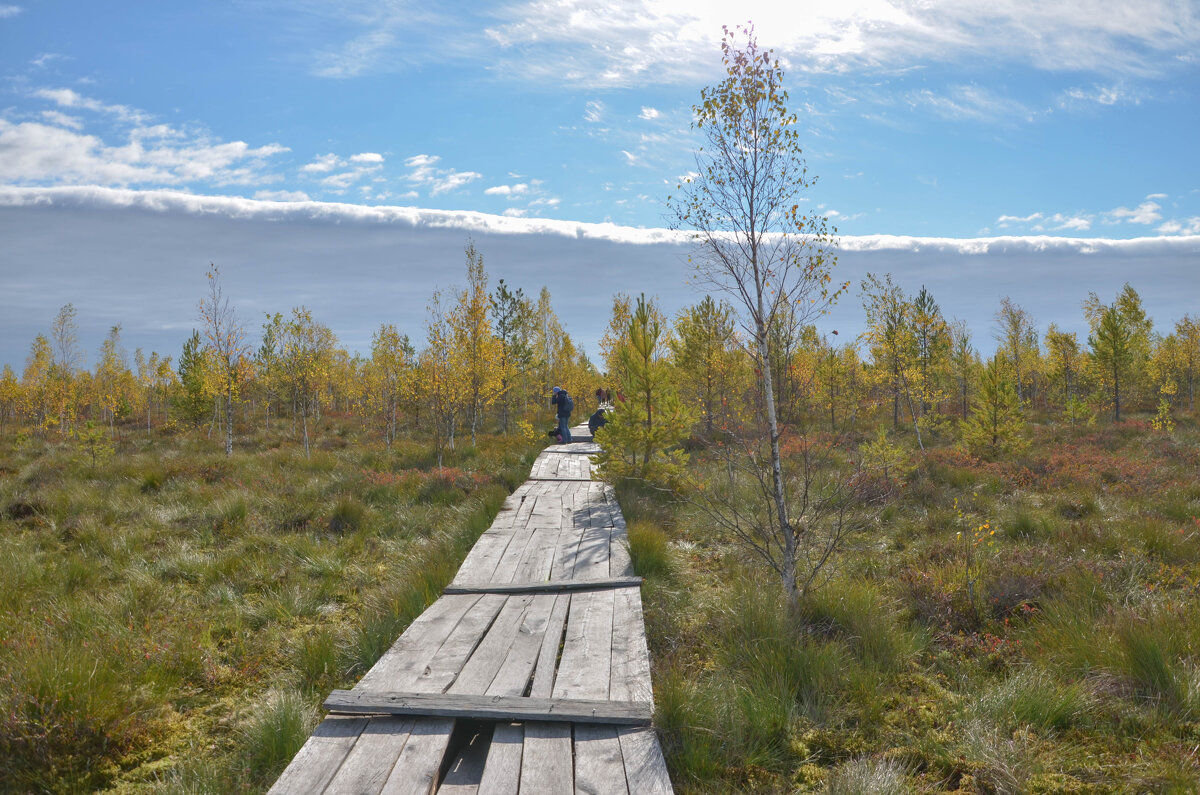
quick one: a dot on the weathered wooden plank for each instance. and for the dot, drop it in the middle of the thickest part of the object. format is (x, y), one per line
(368, 765)
(538, 557)
(547, 661)
(466, 771)
(630, 677)
(645, 768)
(585, 667)
(416, 771)
(502, 772)
(320, 757)
(505, 708)
(546, 765)
(445, 665)
(479, 671)
(554, 479)
(599, 765)
(549, 586)
(481, 562)
(516, 672)
(412, 651)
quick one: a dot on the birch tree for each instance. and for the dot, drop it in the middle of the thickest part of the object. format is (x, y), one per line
(756, 243)
(226, 338)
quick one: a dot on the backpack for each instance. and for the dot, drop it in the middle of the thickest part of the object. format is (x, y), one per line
(569, 405)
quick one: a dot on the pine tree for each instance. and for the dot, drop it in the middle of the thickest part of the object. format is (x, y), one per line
(644, 431)
(191, 402)
(995, 425)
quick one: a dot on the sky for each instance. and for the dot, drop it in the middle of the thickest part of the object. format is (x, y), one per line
(338, 154)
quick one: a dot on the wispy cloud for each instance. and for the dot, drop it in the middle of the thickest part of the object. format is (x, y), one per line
(1105, 95)
(1040, 222)
(350, 170)
(972, 103)
(67, 98)
(423, 172)
(630, 41)
(593, 112)
(649, 113)
(9, 11)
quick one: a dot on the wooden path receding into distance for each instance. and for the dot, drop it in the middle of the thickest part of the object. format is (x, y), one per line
(529, 675)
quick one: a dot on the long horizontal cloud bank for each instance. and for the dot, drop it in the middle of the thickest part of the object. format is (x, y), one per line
(138, 258)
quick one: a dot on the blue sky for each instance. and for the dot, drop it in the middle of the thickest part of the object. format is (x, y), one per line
(954, 121)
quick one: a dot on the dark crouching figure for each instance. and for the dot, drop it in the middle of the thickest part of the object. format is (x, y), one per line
(565, 405)
(597, 420)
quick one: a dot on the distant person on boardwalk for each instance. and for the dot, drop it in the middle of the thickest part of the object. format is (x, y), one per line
(563, 402)
(597, 420)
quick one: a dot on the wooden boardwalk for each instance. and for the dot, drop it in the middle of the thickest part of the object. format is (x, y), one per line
(544, 619)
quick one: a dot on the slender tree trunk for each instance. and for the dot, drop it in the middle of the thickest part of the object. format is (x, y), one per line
(229, 422)
(304, 422)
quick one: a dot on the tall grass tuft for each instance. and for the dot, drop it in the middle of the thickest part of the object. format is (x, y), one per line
(1031, 697)
(649, 549)
(348, 516)
(1146, 660)
(869, 623)
(868, 777)
(276, 730)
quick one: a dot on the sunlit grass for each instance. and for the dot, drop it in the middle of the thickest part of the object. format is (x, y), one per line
(151, 603)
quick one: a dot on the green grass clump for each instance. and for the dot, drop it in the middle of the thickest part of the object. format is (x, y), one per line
(649, 549)
(276, 729)
(348, 516)
(866, 776)
(1032, 697)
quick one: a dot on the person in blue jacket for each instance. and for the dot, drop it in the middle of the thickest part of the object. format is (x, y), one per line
(563, 402)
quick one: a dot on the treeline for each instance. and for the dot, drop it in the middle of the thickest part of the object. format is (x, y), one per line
(913, 368)
(486, 362)
(490, 356)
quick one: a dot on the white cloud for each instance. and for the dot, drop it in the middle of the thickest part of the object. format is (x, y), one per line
(67, 98)
(1145, 213)
(356, 56)
(1076, 223)
(237, 207)
(1005, 220)
(40, 153)
(1100, 95)
(508, 190)
(1040, 222)
(45, 58)
(9, 11)
(61, 119)
(322, 164)
(648, 113)
(438, 180)
(630, 157)
(1189, 226)
(626, 42)
(514, 212)
(282, 195)
(1157, 196)
(359, 167)
(593, 111)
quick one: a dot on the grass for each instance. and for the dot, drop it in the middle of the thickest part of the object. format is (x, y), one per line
(1072, 665)
(172, 618)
